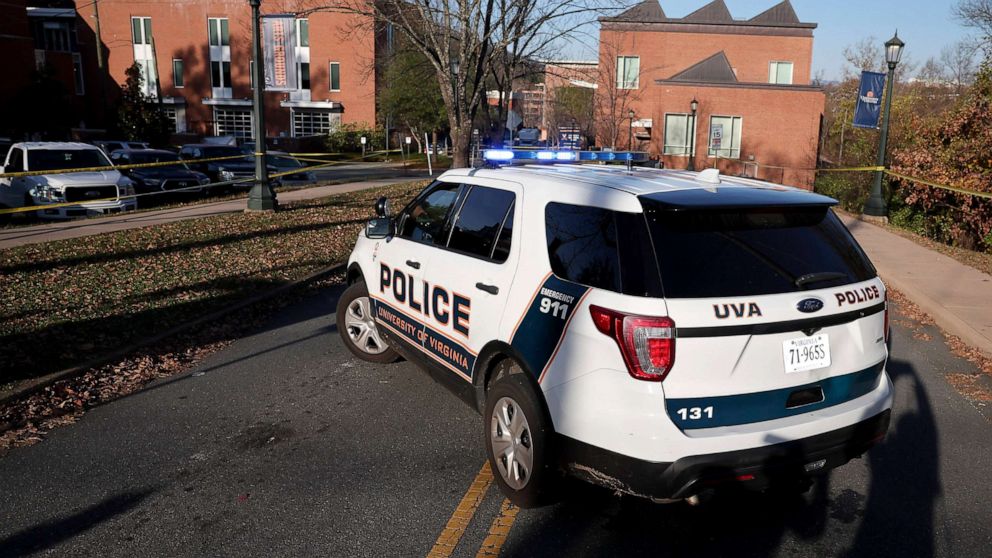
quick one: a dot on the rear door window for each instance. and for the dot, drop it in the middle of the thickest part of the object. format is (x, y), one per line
(480, 223)
(582, 245)
(749, 252)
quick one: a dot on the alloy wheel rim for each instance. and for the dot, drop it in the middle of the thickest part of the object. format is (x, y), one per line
(512, 443)
(361, 327)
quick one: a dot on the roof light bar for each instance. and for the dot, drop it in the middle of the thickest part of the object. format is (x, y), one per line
(507, 156)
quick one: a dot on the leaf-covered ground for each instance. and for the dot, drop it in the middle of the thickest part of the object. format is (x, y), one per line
(63, 303)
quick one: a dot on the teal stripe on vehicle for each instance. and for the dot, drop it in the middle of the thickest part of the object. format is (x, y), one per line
(747, 408)
(539, 332)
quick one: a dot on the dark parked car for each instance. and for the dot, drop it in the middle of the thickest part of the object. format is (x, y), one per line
(159, 179)
(221, 171)
(280, 162)
(109, 146)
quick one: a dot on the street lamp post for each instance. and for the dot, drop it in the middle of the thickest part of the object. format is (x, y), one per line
(630, 130)
(693, 105)
(261, 197)
(876, 207)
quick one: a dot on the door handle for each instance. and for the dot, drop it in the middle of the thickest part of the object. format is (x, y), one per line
(413, 264)
(491, 289)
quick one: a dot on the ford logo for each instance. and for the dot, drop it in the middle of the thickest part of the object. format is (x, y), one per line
(809, 305)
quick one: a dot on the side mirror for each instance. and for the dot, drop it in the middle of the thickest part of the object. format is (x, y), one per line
(382, 207)
(379, 228)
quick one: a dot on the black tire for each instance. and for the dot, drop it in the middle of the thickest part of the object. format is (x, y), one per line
(350, 323)
(509, 389)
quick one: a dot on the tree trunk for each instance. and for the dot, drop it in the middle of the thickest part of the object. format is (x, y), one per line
(461, 141)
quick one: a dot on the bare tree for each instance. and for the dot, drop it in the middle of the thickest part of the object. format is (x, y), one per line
(468, 41)
(614, 98)
(976, 14)
(958, 61)
(864, 55)
(932, 73)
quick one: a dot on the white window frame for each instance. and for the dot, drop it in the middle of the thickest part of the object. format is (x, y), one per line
(735, 137)
(680, 150)
(622, 83)
(79, 79)
(144, 54)
(220, 53)
(300, 128)
(773, 72)
(182, 77)
(330, 74)
(236, 129)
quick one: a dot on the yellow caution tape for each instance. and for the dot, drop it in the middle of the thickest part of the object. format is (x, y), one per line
(119, 167)
(986, 195)
(41, 207)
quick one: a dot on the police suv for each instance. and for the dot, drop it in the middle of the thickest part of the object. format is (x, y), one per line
(657, 332)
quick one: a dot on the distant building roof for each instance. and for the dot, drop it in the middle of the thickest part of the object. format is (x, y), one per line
(714, 13)
(715, 69)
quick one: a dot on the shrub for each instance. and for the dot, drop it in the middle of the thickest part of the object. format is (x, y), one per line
(346, 138)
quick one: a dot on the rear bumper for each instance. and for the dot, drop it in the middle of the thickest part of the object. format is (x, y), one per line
(757, 468)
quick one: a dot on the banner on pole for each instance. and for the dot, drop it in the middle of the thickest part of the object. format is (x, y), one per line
(869, 104)
(279, 52)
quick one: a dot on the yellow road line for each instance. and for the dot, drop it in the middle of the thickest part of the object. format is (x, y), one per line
(499, 530)
(453, 531)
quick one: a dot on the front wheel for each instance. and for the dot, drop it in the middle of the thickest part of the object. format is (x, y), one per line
(518, 439)
(358, 328)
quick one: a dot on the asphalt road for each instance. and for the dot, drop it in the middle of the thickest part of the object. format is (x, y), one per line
(285, 445)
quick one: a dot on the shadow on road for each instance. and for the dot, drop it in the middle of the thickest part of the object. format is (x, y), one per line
(49, 534)
(894, 518)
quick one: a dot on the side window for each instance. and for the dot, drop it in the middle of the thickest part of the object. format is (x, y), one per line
(424, 219)
(15, 161)
(502, 249)
(582, 245)
(480, 222)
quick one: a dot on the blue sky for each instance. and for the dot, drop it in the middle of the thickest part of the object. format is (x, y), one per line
(925, 25)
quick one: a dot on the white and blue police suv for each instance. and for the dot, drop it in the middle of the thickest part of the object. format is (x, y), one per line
(657, 332)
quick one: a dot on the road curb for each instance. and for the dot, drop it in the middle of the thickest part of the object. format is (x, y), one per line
(40, 383)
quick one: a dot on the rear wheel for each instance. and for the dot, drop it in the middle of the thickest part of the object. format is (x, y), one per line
(358, 328)
(518, 439)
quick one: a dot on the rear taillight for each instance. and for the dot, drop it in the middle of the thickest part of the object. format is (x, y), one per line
(646, 343)
(885, 332)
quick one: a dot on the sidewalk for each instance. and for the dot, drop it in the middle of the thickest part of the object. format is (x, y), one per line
(957, 297)
(48, 232)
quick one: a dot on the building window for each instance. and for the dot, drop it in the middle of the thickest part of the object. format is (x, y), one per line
(57, 36)
(335, 75)
(176, 116)
(677, 135)
(628, 72)
(304, 73)
(233, 122)
(220, 74)
(219, 33)
(77, 73)
(177, 73)
(303, 32)
(314, 122)
(725, 137)
(780, 72)
(141, 30)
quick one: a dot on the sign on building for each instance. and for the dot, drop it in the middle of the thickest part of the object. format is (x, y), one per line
(869, 104)
(279, 52)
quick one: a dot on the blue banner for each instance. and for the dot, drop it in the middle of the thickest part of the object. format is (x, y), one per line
(869, 100)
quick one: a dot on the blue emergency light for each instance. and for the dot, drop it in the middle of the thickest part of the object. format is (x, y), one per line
(509, 156)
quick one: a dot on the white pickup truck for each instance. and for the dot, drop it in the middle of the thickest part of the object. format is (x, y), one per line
(113, 190)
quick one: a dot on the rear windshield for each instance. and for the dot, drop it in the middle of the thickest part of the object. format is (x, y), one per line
(719, 253)
(221, 151)
(153, 157)
(60, 159)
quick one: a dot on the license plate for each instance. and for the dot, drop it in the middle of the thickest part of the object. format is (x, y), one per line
(806, 353)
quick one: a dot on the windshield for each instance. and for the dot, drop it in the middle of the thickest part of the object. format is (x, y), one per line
(62, 159)
(222, 151)
(282, 161)
(749, 252)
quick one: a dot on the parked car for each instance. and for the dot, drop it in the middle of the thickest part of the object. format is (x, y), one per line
(661, 333)
(219, 171)
(109, 146)
(100, 182)
(280, 162)
(165, 178)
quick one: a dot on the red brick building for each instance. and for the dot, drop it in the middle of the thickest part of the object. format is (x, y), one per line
(197, 56)
(757, 110)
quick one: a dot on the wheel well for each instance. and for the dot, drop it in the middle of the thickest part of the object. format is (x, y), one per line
(489, 358)
(354, 274)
